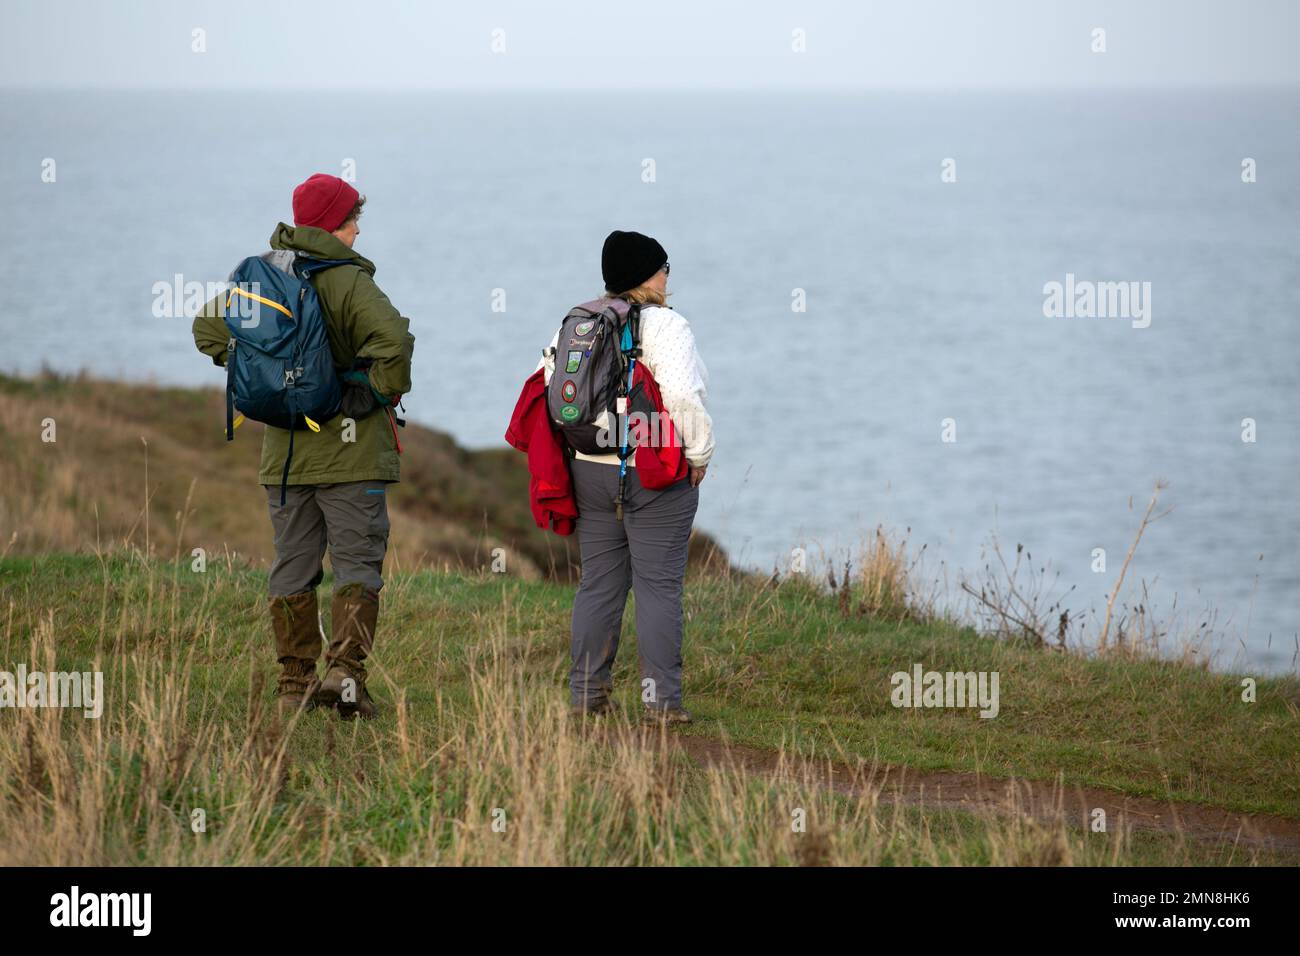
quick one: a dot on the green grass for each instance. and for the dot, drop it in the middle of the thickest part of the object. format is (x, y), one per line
(471, 670)
(802, 674)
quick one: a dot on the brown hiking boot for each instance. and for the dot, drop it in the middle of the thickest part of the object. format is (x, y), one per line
(296, 688)
(343, 690)
(296, 626)
(599, 708)
(354, 613)
(666, 715)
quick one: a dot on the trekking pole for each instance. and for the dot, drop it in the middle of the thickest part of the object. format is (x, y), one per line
(629, 347)
(623, 450)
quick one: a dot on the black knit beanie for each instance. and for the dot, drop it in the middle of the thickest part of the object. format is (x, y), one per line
(628, 259)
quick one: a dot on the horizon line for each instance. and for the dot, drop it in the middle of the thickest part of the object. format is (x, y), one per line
(746, 88)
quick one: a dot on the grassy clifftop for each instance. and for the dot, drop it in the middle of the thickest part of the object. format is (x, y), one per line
(86, 489)
(791, 686)
(470, 670)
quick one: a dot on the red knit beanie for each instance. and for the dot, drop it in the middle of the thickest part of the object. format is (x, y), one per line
(323, 201)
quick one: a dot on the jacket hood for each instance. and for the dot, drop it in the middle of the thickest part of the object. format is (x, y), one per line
(317, 243)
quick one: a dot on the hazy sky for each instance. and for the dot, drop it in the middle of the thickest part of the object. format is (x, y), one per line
(404, 44)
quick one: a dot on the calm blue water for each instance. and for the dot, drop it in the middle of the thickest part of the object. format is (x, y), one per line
(924, 298)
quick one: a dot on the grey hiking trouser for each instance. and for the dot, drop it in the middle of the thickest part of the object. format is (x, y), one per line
(349, 519)
(646, 552)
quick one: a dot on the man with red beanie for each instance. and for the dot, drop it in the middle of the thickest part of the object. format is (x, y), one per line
(335, 497)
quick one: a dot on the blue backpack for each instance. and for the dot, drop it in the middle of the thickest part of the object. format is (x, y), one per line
(279, 369)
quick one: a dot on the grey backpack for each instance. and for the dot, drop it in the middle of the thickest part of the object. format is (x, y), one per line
(596, 341)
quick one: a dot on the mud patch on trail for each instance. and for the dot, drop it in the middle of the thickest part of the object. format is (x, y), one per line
(1043, 800)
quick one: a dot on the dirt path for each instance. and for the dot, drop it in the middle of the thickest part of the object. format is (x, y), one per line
(1043, 800)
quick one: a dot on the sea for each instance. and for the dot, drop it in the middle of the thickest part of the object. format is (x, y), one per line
(966, 319)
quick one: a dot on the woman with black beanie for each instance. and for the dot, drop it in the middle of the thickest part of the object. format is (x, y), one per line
(646, 550)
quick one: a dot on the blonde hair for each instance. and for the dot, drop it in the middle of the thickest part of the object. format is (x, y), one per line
(641, 295)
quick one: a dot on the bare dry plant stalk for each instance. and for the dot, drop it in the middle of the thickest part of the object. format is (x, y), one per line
(1147, 519)
(1015, 601)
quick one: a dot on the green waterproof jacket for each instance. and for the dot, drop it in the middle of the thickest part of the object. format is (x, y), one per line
(362, 324)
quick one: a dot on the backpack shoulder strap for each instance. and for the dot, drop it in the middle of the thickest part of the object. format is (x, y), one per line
(306, 266)
(627, 324)
(634, 323)
(630, 344)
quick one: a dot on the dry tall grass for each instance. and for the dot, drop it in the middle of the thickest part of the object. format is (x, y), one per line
(502, 776)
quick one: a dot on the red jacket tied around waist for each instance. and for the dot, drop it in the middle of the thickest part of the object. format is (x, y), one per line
(658, 456)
